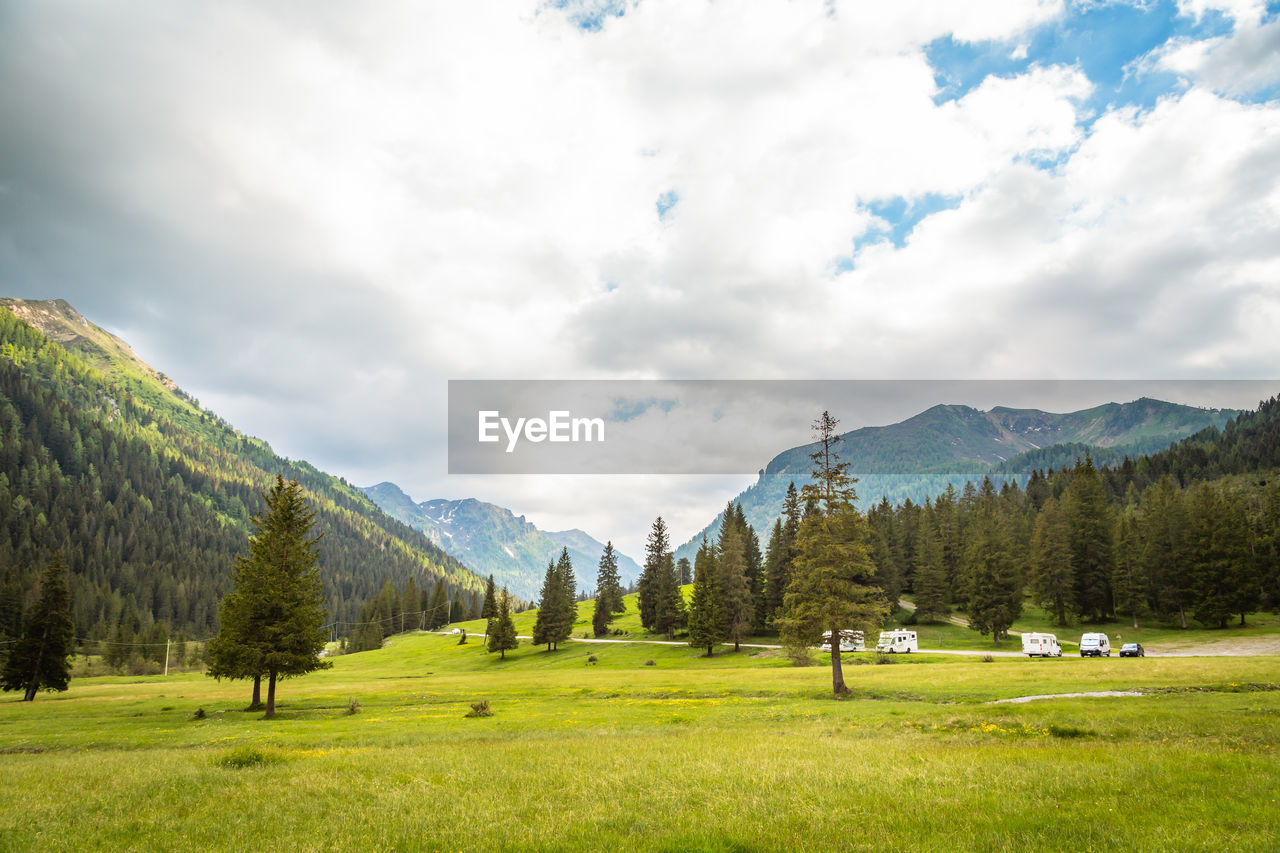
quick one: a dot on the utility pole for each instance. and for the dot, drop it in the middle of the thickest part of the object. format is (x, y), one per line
(166, 656)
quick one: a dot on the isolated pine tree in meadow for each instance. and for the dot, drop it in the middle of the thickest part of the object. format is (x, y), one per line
(41, 657)
(706, 609)
(503, 637)
(831, 586)
(272, 621)
(608, 592)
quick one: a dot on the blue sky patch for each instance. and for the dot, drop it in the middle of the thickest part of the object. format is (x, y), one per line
(903, 215)
(1103, 40)
(590, 15)
(666, 202)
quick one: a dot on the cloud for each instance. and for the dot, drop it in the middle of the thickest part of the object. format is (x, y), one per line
(313, 220)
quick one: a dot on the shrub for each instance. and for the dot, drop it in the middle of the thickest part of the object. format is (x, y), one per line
(882, 658)
(480, 709)
(592, 659)
(353, 707)
(649, 663)
(248, 756)
(988, 659)
(198, 715)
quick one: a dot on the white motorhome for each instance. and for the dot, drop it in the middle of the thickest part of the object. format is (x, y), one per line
(1095, 646)
(1042, 645)
(898, 641)
(850, 641)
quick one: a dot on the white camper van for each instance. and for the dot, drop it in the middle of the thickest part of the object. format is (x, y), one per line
(1042, 645)
(850, 641)
(1095, 646)
(898, 641)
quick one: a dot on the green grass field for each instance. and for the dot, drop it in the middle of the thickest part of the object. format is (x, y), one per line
(735, 752)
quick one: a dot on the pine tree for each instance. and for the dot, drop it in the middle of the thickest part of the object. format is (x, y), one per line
(503, 638)
(995, 589)
(490, 610)
(550, 608)
(410, 617)
(1162, 527)
(735, 588)
(1092, 538)
(608, 592)
(930, 578)
(568, 613)
(656, 549)
(684, 570)
(271, 623)
(706, 610)
(1052, 561)
(1129, 582)
(831, 586)
(781, 555)
(40, 659)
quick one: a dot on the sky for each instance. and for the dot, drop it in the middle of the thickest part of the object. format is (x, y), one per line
(312, 216)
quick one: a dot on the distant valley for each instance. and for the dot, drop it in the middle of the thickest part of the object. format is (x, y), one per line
(493, 540)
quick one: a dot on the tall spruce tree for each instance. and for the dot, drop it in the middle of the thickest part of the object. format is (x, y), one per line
(781, 555)
(995, 587)
(608, 592)
(831, 587)
(1092, 539)
(1129, 582)
(40, 659)
(550, 608)
(930, 578)
(503, 639)
(489, 611)
(735, 587)
(656, 550)
(568, 614)
(706, 609)
(1162, 527)
(272, 622)
(1052, 562)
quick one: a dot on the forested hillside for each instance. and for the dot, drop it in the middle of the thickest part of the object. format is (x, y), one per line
(918, 457)
(148, 497)
(1189, 533)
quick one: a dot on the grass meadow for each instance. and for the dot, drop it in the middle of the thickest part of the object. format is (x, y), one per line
(736, 752)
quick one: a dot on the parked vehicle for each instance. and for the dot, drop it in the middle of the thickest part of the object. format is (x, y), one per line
(1043, 645)
(850, 641)
(898, 641)
(1133, 650)
(1095, 646)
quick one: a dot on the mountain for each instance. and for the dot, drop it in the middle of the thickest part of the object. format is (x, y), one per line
(148, 496)
(493, 540)
(917, 458)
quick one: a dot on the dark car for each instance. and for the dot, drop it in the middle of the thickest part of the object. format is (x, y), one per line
(1132, 650)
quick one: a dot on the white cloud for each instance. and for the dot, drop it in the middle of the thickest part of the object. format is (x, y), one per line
(313, 221)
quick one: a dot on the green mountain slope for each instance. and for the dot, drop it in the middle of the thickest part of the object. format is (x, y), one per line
(493, 540)
(148, 496)
(918, 457)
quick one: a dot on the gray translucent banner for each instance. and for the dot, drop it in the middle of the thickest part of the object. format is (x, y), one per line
(744, 426)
